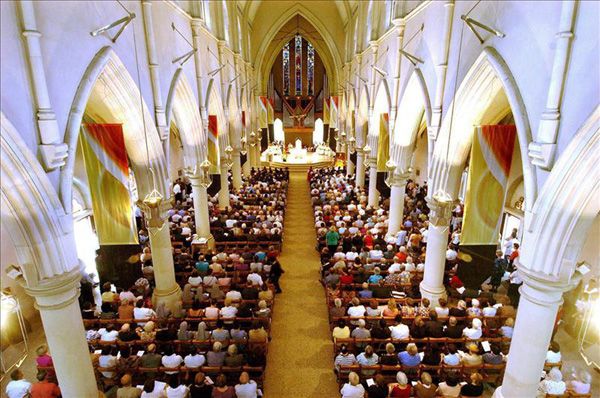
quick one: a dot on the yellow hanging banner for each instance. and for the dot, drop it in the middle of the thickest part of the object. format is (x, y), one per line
(383, 143)
(107, 168)
(489, 168)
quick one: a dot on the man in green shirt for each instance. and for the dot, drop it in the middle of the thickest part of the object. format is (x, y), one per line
(331, 239)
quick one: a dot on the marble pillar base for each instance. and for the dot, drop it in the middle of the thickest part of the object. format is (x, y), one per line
(170, 297)
(433, 294)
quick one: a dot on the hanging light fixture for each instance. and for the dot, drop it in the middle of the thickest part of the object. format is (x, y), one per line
(243, 145)
(390, 166)
(252, 139)
(352, 145)
(204, 174)
(228, 158)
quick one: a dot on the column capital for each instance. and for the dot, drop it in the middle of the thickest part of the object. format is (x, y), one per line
(541, 290)
(399, 179)
(57, 292)
(440, 206)
(155, 212)
(199, 180)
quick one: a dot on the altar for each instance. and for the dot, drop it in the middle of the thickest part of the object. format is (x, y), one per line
(296, 157)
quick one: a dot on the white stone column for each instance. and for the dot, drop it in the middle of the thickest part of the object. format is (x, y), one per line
(167, 290)
(360, 168)
(373, 200)
(201, 215)
(236, 170)
(56, 299)
(538, 307)
(432, 286)
(396, 214)
(224, 191)
(350, 167)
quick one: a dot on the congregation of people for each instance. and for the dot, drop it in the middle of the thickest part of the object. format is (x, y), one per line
(388, 340)
(213, 341)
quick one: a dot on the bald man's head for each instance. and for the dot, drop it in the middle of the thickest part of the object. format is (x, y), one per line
(126, 380)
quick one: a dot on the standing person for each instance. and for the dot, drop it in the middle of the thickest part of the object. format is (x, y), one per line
(18, 387)
(513, 287)
(44, 388)
(332, 239)
(500, 266)
(276, 272)
(509, 243)
(177, 191)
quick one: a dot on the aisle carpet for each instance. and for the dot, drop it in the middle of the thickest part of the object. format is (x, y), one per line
(300, 359)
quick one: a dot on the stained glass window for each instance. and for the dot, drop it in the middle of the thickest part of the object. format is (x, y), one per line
(298, 64)
(286, 69)
(310, 69)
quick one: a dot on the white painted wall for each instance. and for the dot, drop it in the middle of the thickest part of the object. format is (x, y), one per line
(528, 50)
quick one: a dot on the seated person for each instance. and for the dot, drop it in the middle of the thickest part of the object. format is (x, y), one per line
(344, 358)
(411, 356)
(494, 357)
(474, 332)
(341, 331)
(433, 327)
(474, 388)
(472, 357)
(389, 358)
(552, 384)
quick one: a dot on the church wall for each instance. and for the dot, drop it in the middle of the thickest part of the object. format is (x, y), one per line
(172, 46)
(67, 49)
(528, 49)
(15, 101)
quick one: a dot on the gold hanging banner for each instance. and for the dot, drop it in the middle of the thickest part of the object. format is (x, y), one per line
(107, 168)
(489, 168)
(383, 143)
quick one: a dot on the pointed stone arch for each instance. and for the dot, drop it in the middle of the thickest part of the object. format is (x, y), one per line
(488, 78)
(328, 52)
(362, 117)
(414, 105)
(40, 228)
(566, 207)
(124, 100)
(182, 108)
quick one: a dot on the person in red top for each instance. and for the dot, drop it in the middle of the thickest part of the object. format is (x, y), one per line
(43, 388)
(346, 278)
(455, 282)
(368, 240)
(402, 255)
(515, 253)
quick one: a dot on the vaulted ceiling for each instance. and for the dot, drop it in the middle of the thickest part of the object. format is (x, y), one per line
(274, 23)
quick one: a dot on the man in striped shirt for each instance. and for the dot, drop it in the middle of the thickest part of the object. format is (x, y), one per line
(344, 358)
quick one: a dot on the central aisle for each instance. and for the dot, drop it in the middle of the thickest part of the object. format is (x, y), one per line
(300, 359)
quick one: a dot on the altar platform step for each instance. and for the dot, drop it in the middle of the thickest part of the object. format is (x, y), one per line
(299, 167)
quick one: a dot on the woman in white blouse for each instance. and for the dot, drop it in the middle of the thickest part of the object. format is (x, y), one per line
(474, 332)
(552, 384)
(353, 389)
